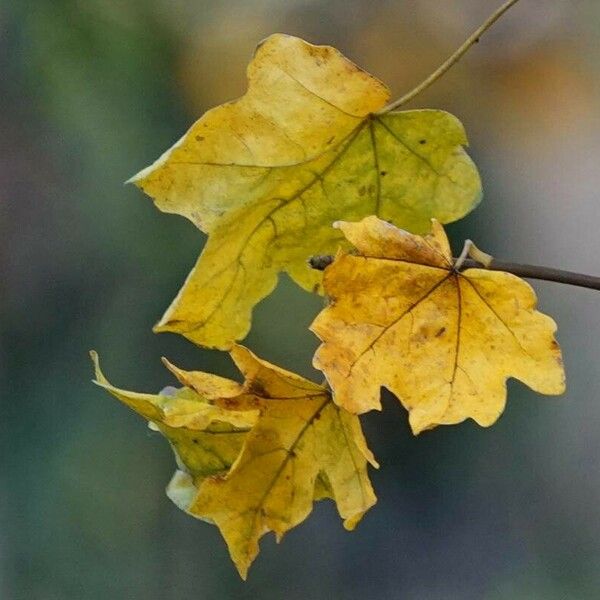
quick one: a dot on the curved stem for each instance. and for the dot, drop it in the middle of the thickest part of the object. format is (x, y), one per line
(451, 61)
(521, 270)
(460, 261)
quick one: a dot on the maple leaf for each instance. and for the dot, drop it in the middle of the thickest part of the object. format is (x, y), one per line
(206, 438)
(444, 342)
(292, 445)
(266, 175)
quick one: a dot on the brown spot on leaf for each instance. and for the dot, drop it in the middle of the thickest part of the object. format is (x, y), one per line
(231, 403)
(258, 389)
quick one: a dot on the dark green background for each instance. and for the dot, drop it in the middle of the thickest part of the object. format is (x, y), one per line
(93, 90)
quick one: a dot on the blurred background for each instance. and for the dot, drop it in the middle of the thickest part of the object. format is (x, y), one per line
(93, 90)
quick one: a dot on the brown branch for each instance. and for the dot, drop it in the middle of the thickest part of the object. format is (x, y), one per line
(320, 263)
(537, 272)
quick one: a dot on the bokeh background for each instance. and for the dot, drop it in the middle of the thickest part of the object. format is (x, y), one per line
(93, 90)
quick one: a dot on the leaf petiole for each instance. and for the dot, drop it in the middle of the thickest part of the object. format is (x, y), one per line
(458, 263)
(451, 61)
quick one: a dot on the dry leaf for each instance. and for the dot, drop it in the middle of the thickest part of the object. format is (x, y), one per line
(206, 438)
(443, 342)
(277, 443)
(266, 175)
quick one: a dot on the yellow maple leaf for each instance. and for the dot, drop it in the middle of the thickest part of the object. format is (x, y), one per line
(266, 175)
(206, 438)
(283, 443)
(444, 342)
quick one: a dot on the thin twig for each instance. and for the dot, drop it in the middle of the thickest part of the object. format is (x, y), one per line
(536, 272)
(320, 263)
(451, 61)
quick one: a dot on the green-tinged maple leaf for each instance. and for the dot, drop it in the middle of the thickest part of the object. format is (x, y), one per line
(206, 438)
(266, 175)
(281, 443)
(444, 342)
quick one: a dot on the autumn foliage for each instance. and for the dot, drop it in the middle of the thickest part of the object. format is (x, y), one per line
(309, 161)
(266, 175)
